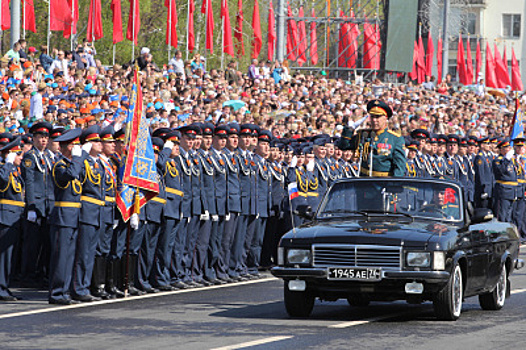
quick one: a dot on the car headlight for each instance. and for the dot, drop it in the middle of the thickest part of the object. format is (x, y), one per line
(439, 261)
(298, 256)
(418, 259)
(281, 260)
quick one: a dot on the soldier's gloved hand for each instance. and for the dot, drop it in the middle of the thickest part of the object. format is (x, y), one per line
(134, 222)
(310, 165)
(281, 214)
(509, 155)
(87, 147)
(484, 196)
(115, 224)
(168, 144)
(205, 216)
(181, 218)
(215, 217)
(76, 151)
(10, 158)
(32, 216)
(257, 216)
(227, 217)
(293, 162)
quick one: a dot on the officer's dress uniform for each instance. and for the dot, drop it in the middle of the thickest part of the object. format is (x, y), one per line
(233, 208)
(39, 197)
(520, 204)
(484, 180)
(91, 222)
(217, 267)
(506, 187)
(171, 172)
(11, 211)
(263, 188)
(64, 226)
(464, 170)
(297, 175)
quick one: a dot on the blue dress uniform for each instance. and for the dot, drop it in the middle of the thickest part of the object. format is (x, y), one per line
(217, 267)
(387, 146)
(298, 175)
(91, 219)
(200, 257)
(65, 220)
(151, 218)
(246, 223)
(412, 170)
(506, 185)
(171, 171)
(264, 188)
(520, 204)
(233, 204)
(484, 179)
(11, 211)
(109, 221)
(39, 198)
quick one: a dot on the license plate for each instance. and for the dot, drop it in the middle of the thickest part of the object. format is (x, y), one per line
(354, 273)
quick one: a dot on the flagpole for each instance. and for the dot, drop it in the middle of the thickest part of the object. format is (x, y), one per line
(24, 23)
(133, 29)
(170, 30)
(48, 26)
(206, 25)
(113, 55)
(72, 22)
(223, 42)
(187, 30)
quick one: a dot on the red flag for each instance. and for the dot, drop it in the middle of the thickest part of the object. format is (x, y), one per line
(206, 8)
(491, 78)
(59, 15)
(516, 80)
(372, 46)
(347, 45)
(313, 41)
(71, 28)
(190, 40)
(505, 59)
(94, 31)
(292, 36)
(271, 32)
(503, 78)
(6, 15)
(414, 73)
(171, 23)
(302, 39)
(352, 52)
(228, 43)
(117, 21)
(238, 32)
(439, 61)
(478, 59)
(429, 55)
(134, 21)
(29, 16)
(256, 27)
(469, 63)
(421, 62)
(461, 63)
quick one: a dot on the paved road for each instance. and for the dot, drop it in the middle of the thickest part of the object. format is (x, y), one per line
(252, 314)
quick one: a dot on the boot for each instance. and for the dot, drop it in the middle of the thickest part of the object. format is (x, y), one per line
(98, 278)
(113, 278)
(131, 277)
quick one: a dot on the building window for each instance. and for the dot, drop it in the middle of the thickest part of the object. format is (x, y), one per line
(469, 24)
(511, 26)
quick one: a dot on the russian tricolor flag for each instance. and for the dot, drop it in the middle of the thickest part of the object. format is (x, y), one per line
(293, 190)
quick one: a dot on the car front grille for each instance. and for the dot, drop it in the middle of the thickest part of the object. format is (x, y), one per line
(325, 255)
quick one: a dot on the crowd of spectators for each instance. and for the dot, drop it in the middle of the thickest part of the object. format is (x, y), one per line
(74, 88)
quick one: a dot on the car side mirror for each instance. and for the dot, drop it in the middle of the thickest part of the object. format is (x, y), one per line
(304, 211)
(481, 215)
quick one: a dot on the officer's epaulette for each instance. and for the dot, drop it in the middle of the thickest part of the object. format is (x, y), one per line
(500, 157)
(394, 133)
(481, 154)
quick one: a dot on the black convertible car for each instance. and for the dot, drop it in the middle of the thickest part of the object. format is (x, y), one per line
(386, 239)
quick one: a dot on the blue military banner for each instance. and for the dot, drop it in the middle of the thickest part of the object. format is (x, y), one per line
(137, 174)
(517, 129)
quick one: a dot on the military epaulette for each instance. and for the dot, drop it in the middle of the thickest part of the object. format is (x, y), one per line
(481, 154)
(394, 133)
(500, 157)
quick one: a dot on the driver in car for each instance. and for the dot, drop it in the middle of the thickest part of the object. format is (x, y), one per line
(444, 204)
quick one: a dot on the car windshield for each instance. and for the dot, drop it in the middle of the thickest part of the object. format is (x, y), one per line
(425, 199)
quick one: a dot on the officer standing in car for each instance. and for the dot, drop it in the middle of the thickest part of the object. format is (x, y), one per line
(506, 185)
(385, 146)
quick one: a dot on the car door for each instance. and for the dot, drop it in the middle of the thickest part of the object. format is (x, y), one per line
(479, 256)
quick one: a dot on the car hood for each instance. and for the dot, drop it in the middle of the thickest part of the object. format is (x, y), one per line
(415, 234)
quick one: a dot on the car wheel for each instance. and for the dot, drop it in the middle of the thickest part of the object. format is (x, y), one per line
(495, 299)
(448, 302)
(358, 300)
(298, 304)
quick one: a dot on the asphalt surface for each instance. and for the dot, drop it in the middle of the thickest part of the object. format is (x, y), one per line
(252, 315)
